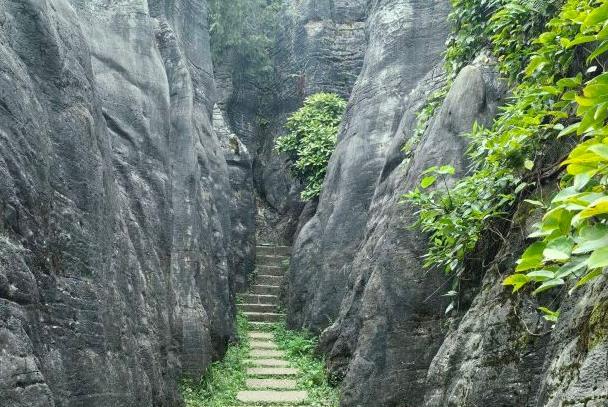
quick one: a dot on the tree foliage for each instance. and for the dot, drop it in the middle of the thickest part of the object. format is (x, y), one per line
(311, 140)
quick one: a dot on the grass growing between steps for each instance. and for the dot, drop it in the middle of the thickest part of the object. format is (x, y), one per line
(299, 348)
(225, 378)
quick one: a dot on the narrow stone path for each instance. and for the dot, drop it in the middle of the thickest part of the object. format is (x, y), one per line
(270, 379)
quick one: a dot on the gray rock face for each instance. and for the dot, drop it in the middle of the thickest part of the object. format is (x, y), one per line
(390, 343)
(390, 324)
(242, 202)
(114, 270)
(405, 40)
(322, 46)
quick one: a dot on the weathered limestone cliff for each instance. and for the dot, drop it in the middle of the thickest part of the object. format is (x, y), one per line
(136, 177)
(390, 324)
(115, 270)
(405, 41)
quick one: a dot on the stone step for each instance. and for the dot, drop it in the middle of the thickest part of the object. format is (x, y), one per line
(263, 316)
(260, 335)
(257, 307)
(279, 261)
(273, 250)
(266, 353)
(270, 270)
(271, 384)
(265, 289)
(270, 396)
(265, 279)
(260, 299)
(267, 363)
(272, 371)
(261, 326)
(274, 405)
(261, 344)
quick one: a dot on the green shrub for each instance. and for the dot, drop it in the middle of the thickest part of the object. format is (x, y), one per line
(311, 140)
(504, 26)
(424, 116)
(469, 19)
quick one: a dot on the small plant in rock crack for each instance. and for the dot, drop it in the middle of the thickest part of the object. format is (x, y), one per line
(424, 117)
(251, 277)
(312, 137)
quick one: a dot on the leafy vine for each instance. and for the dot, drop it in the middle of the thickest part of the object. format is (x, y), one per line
(542, 107)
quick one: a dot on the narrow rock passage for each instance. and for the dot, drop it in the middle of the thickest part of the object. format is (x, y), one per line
(270, 378)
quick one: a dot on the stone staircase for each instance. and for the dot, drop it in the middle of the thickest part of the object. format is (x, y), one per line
(270, 379)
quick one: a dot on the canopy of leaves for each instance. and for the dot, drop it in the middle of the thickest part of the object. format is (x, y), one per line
(311, 140)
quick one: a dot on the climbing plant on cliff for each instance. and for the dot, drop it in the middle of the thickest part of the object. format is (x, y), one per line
(574, 229)
(504, 155)
(504, 26)
(469, 19)
(311, 140)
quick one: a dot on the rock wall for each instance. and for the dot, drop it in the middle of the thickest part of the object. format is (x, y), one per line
(128, 212)
(390, 322)
(405, 42)
(115, 272)
(242, 202)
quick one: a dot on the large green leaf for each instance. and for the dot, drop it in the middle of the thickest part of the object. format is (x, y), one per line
(532, 257)
(597, 16)
(600, 149)
(598, 259)
(598, 207)
(541, 275)
(516, 280)
(590, 276)
(549, 315)
(427, 181)
(556, 282)
(572, 267)
(591, 238)
(599, 51)
(558, 249)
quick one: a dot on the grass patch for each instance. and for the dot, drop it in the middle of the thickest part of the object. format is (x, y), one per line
(299, 348)
(224, 379)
